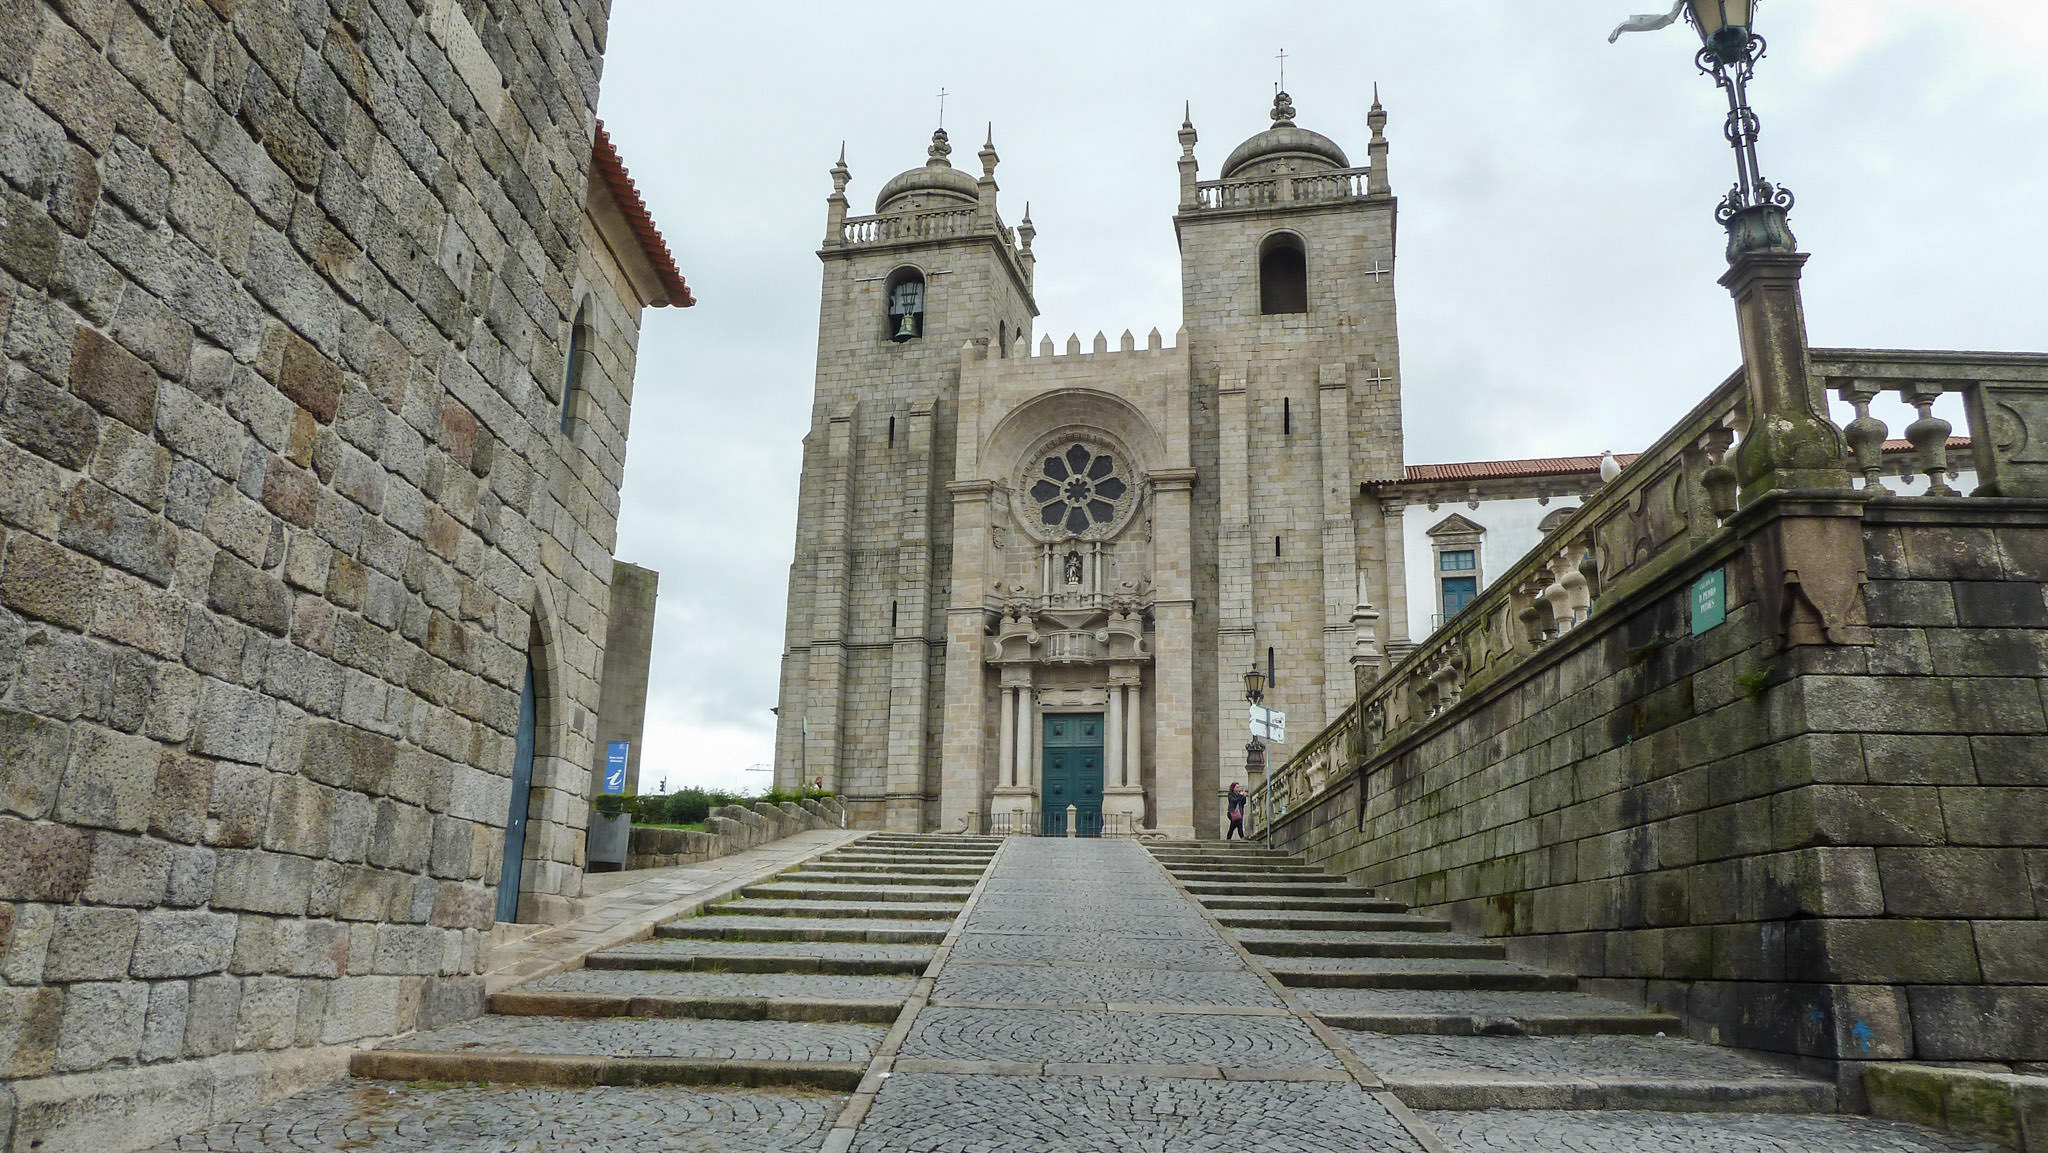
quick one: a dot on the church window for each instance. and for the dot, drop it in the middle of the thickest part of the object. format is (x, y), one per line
(1283, 275)
(906, 305)
(1078, 490)
(577, 361)
(1002, 339)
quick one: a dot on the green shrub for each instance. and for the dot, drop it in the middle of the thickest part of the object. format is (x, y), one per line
(690, 806)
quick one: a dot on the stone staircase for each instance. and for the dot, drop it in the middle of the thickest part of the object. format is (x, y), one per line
(794, 982)
(1447, 1021)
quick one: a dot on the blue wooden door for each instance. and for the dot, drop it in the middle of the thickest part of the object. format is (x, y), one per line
(1072, 773)
(515, 819)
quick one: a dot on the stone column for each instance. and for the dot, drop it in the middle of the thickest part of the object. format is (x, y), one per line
(1027, 734)
(1008, 739)
(1113, 738)
(1340, 542)
(1236, 638)
(1134, 775)
(964, 749)
(1173, 614)
(1791, 443)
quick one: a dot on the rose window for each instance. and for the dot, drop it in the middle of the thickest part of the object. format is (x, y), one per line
(1078, 490)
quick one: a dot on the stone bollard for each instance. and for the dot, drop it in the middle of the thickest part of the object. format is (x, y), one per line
(1073, 818)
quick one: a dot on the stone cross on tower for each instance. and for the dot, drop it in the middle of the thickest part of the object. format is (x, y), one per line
(942, 106)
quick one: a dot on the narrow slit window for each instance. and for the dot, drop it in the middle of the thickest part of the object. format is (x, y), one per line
(892, 614)
(573, 371)
(892, 432)
(1276, 546)
(1286, 416)
(1272, 676)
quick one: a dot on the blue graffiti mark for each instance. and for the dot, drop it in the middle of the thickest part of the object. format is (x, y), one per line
(1863, 1034)
(1814, 1015)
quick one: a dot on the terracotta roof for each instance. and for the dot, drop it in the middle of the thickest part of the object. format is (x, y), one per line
(1501, 469)
(1568, 465)
(605, 158)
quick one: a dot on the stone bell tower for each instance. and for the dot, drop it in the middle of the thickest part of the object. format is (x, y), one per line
(932, 278)
(1287, 273)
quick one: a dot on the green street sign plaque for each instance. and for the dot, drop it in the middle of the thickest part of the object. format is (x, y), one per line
(1709, 601)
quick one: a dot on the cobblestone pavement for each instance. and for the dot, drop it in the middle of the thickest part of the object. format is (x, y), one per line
(1123, 1038)
(935, 1113)
(659, 983)
(1573, 1058)
(652, 1037)
(394, 1118)
(1088, 984)
(1066, 923)
(1633, 1132)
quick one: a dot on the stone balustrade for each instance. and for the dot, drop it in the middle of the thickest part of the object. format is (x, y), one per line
(1291, 188)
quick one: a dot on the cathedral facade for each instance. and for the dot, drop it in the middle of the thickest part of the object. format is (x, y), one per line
(1026, 587)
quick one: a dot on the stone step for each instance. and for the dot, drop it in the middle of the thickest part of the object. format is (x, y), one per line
(892, 862)
(828, 957)
(1244, 888)
(931, 841)
(1416, 973)
(1358, 904)
(917, 877)
(1324, 943)
(855, 910)
(643, 1051)
(1583, 1072)
(1223, 857)
(776, 890)
(1470, 1013)
(741, 927)
(1355, 922)
(857, 868)
(586, 993)
(1252, 873)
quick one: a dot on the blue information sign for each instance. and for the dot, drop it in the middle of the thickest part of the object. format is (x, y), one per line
(615, 767)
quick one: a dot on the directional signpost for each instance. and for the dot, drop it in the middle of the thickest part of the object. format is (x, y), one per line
(1269, 724)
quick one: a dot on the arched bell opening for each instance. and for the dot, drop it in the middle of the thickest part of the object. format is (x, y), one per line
(1283, 275)
(905, 294)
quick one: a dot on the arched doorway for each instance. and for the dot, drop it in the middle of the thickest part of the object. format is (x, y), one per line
(522, 791)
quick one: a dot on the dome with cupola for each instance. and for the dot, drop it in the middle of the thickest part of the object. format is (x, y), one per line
(1284, 147)
(936, 185)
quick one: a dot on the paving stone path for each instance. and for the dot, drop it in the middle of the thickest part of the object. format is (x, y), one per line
(931, 994)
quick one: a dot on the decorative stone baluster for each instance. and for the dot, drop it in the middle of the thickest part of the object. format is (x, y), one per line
(1866, 433)
(1929, 435)
(1718, 478)
(1558, 596)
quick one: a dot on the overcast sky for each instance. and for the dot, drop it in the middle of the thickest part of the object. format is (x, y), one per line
(1558, 253)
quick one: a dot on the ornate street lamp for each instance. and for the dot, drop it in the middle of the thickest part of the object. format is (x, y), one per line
(1254, 683)
(1255, 749)
(1754, 211)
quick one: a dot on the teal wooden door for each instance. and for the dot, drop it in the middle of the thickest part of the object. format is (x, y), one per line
(1072, 773)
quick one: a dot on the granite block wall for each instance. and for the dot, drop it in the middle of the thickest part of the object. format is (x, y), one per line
(285, 501)
(1835, 853)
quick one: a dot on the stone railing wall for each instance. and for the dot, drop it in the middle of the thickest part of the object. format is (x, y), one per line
(731, 829)
(1838, 850)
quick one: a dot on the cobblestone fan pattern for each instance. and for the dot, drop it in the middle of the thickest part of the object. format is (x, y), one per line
(658, 983)
(1576, 1058)
(1239, 1042)
(1180, 959)
(1079, 985)
(652, 1037)
(916, 1113)
(1558, 1131)
(1180, 951)
(388, 1117)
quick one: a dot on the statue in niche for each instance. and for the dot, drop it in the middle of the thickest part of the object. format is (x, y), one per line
(1074, 568)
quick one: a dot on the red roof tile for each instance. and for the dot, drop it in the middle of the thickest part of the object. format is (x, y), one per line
(605, 158)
